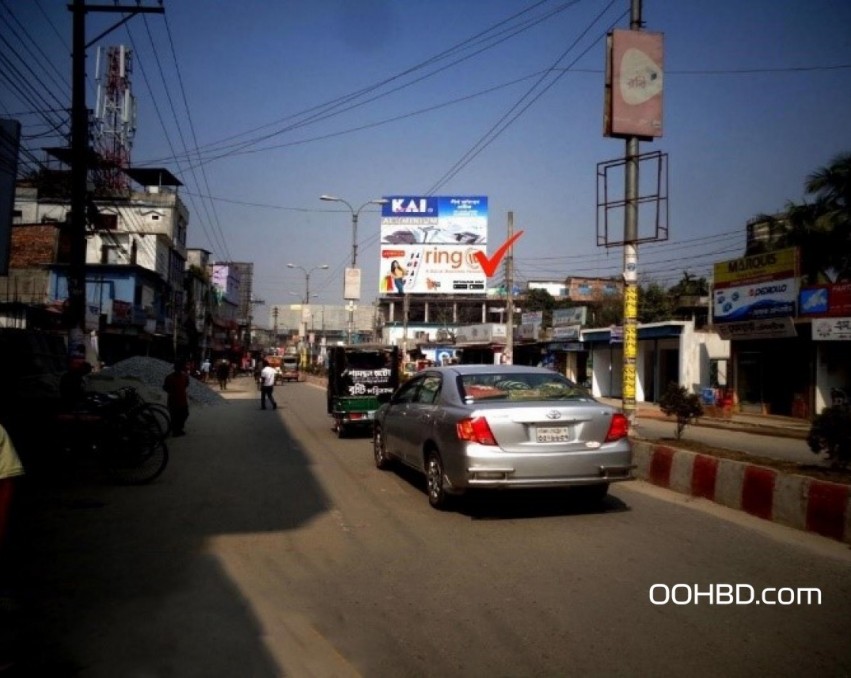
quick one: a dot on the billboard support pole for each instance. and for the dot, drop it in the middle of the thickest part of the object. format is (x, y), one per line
(509, 304)
(406, 307)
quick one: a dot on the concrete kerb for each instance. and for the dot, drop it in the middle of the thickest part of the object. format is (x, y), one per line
(797, 501)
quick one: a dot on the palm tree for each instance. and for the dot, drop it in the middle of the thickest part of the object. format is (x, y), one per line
(831, 188)
(821, 229)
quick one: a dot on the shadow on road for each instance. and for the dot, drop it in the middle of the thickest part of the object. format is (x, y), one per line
(111, 581)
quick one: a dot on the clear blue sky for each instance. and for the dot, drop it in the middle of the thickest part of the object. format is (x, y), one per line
(259, 107)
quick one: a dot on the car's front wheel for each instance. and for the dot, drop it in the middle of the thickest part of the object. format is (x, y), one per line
(379, 449)
(437, 495)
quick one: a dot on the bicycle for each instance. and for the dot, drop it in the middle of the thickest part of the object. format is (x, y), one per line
(122, 432)
(159, 413)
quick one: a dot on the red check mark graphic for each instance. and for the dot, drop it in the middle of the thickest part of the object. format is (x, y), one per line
(489, 265)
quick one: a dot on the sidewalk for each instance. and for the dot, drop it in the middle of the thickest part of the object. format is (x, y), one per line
(775, 425)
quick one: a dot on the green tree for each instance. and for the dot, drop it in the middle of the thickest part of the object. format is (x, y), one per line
(690, 286)
(540, 300)
(654, 303)
(821, 228)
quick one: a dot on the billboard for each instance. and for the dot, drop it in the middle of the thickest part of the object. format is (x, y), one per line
(770, 299)
(634, 84)
(828, 300)
(756, 287)
(757, 268)
(429, 244)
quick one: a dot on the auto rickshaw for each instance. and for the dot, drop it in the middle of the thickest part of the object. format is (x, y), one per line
(357, 375)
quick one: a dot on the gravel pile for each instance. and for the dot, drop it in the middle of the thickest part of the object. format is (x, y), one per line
(146, 375)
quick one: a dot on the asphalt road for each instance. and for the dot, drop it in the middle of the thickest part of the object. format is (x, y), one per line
(271, 548)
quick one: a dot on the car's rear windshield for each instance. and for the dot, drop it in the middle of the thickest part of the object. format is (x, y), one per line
(368, 360)
(520, 386)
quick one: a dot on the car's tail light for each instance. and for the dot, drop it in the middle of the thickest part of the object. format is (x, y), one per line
(618, 428)
(475, 430)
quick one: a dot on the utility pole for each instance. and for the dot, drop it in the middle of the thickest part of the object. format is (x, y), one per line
(630, 258)
(275, 316)
(80, 151)
(509, 304)
(633, 112)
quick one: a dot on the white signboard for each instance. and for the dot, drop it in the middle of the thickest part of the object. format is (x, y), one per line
(777, 328)
(478, 334)
(570, 332)
(351, 284)
(528, 331)
(771, 299)
(570, 316)
(832, 329)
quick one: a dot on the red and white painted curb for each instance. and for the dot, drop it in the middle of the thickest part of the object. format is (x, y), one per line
(797, 501)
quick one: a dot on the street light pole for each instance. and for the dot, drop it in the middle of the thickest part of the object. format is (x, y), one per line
(355, 296)
(307, 278)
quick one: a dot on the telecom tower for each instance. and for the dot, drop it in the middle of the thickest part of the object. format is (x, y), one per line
(115, 116)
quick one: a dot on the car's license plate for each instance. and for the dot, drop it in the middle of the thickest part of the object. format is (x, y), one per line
(553, 434)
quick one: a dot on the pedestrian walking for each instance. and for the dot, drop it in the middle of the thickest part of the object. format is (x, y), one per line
(205, 369)
(176, 384)
(267, 385)
(223, 373)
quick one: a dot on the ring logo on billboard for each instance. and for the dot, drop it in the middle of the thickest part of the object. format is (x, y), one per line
(453, 258)
(770, 289)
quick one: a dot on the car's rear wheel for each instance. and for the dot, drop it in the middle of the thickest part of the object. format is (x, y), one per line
(379, 449)
(437, 496)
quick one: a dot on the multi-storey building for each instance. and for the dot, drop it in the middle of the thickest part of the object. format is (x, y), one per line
(135, 261)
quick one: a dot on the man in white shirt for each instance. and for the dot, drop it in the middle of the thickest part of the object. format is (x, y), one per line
(267, 385)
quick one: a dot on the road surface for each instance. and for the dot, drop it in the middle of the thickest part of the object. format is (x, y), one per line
(269, 548)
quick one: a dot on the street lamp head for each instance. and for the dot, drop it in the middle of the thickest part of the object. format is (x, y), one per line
(291, 266)
(324, 266)
(332, 198)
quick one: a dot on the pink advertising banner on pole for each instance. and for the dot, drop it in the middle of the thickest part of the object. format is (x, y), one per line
(634, 84)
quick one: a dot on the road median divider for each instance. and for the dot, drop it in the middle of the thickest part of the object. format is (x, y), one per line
(790, 499)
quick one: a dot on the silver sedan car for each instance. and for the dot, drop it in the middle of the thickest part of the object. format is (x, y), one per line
(501, 426)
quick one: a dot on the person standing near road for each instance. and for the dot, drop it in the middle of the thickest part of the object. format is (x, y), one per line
(176, 385)
(205, 370)
(223, 373)
(267, 385)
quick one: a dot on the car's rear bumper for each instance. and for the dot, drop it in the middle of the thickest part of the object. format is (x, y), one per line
(505, 479)
(485, 468)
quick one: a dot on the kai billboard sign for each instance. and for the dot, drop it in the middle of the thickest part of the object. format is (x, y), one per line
(429, 245)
